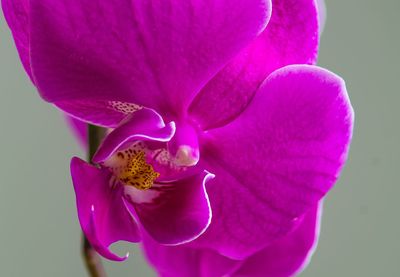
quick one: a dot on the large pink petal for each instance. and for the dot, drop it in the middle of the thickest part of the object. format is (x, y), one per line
(16, 13)
(156, 54)
(179, 211)
(102, 211)
(277, 160)
(183, 261)
(291, 37)
(287, 256)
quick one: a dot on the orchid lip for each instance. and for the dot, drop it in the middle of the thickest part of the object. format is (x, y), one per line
(130, 167)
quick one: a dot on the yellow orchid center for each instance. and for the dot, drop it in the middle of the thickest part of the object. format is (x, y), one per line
(130, 167)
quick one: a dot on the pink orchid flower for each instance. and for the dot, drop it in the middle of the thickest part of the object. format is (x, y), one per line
(194, 90)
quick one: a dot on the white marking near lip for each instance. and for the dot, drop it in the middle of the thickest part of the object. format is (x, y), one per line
(185, 156)
(141, 196)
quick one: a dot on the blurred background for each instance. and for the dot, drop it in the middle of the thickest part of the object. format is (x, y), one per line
(39, 230)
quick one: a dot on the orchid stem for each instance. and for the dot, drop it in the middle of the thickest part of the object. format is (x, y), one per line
(95, 136)
(91, 258)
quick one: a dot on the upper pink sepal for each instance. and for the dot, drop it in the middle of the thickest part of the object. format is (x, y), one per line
(156, 54)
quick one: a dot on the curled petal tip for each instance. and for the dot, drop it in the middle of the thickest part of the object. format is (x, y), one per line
(172, 125)
(209, 176)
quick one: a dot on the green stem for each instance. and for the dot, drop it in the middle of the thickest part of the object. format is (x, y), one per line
(95, 136)
(90, 256)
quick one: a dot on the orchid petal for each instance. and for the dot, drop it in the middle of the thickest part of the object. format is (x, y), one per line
(291, 37)
(103, 113)
(16, 13)
(277, 160)
(102, 212)
(288, 255)
(79, 129)
(183, 261)
(179, 211)
(282, 258)
(143, 125)
(156, 54)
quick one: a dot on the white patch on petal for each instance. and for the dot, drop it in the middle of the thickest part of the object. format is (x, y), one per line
(163, 157)
(141, 196)
(186, 156)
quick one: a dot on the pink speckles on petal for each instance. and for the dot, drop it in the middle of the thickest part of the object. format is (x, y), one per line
(99, 112)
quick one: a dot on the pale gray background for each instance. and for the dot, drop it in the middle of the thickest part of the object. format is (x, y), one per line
(39, 231)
